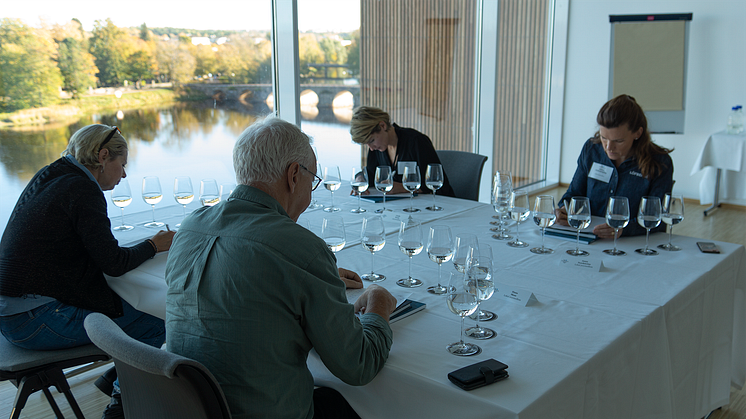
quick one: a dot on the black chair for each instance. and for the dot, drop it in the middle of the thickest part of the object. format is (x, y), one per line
(31, 371)
(464, 171)
(157, 383)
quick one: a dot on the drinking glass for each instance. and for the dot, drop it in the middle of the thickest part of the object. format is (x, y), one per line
(151, 194)
(649, 216)
(332, 182)
(439, 249)
(410, 243)
(465, 245)
(359, 183)
(479, 280)
(226, 190)
(463, 302)
(617, 217)
(183, 193)
(121, 196)
(434, 181)
(579, 217)
(373, 238)
(209, 193)
(333, 232)
(543, 217)
(411, 181)
(672, 213)
(519, 211)
(314, 203)
(501, 190)
(384, 183)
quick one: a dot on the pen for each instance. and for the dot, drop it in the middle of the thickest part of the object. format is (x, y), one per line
(167, 228)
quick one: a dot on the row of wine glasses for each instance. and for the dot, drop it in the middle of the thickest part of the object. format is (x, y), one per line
(210, 194)
(502, 188)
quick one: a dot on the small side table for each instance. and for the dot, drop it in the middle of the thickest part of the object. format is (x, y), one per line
(722, 152)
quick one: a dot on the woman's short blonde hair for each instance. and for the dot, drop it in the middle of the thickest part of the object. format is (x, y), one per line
(365, 120)
(86, 143)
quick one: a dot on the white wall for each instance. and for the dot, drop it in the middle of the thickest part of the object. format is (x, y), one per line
(716, 78)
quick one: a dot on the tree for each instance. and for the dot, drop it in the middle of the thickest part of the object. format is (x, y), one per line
(310, 53)
(145, 33)
(77, 66)
(107, 48)
(353, 55)
(175, 61)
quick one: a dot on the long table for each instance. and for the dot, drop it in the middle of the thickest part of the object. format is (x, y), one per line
(645, 336)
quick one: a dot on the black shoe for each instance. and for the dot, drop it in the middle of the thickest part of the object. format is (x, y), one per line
(114, 410)
(105, 383)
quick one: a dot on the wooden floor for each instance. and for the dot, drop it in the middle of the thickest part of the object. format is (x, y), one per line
(724, 224)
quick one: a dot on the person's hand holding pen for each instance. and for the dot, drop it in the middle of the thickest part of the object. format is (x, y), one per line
(162, 240)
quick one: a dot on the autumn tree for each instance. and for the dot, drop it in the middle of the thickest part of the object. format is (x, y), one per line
(309, 53)
(107, 43)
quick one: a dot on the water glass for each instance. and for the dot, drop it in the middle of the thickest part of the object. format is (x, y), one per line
(649, 217)
(209, 193)
(519, 211)
(314, 203)
(479, 279)
(333, 232)
(579, 217)
(410, 243)
(434, 181)
(359, 183)
(411, 181)
(672, 213)
(121, 196)
(617, 217)
(466, 246)
(544, 217)
(373, 238)
(384, 183)
(183, 193)
(440, 248)
(151, 194)
(462, 301)
(501, 191)
(332, 182)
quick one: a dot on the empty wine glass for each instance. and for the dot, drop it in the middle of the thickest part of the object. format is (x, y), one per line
(373, 238)
(463, 302)
(151, 194)
(519, 211)
(501, 190)
(226, 190)
(410, 243)
(411, 181)
(649, 216)
(314, 203)
(617, 217)
(183, 193)
(384, 183)
(440, 248)
(332, 182)
(543, 217)
(121, 196)
(209, 193)
(465, 245)
(434, 181)
(672, 213)
(359, 183)
(333, 232)
(579, 217)
(480, 281)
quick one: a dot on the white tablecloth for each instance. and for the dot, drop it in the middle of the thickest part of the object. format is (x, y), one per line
(728, 153)
(657, 336)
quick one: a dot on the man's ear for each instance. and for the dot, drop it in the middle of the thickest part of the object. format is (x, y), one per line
(293, 176)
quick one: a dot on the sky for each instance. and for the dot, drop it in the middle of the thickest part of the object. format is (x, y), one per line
(317, 15)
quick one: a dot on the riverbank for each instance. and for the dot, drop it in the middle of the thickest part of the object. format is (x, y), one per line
(73, 109)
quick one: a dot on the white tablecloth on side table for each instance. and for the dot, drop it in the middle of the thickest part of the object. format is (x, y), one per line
(726, 152)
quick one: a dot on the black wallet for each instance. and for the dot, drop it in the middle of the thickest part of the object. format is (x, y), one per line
(479, 374)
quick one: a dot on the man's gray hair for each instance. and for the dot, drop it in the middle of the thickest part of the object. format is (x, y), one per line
(265, 150)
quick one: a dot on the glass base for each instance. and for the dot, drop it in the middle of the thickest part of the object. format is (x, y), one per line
(577, 252)
(437, 289)
(669, 247)
(332, 209)
(463, 349)
(542, 250)
(480, 333)
(315, 205)
(381, 210)
(648, 252)
(123, 228)
(436, 208)
(358, 210)
(484, 315)
(409, 282)
(615, 252)
(496, 223)
(155, 224)
(517, 243)
(411, 210)
(373, 277)
(502, 236)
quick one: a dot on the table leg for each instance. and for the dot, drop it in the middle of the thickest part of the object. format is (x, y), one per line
(716, 201)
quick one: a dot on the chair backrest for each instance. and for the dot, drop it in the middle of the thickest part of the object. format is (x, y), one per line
(464, 171)
(156, 383)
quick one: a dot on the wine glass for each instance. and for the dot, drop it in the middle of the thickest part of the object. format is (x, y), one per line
(411, 181)
(373, 238)
(501, 190)
(672, 213)
(434, 181)
(314, 203)
(359, 183)
(384, 183)
(333, 232)
(617, 216)
(465, 245)
(543, 217)
(332, 182)
(209, 193)
(579, 217)
(410, 243)
(183, 193)
(463, 302)
(151, 194)
(439, 249)
(121, 196)
(649, 216)
(226, 190)
(519, 211)
(479, 280)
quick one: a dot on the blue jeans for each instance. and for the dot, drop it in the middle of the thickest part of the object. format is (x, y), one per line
(59, 326)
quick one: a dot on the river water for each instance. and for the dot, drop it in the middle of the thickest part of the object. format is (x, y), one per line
(187, 139)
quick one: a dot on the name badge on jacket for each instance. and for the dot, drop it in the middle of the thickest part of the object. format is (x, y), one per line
(601, 172)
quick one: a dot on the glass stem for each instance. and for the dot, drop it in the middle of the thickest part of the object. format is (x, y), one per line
(434, 200)
(616, 230)
(411, 197)
(153, 206)
(478, 312)
(384, 202)
(577, 242)
(542, 238)
(358, 200)
(670, 233)
(410, 269)
(517, 232)
(184, 211)
(372, 264)
(647, 239)
(332, 199)
(438, 273)
(122, 216)
(461, 340)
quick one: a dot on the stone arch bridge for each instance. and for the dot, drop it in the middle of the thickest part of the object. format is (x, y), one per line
(259, 92)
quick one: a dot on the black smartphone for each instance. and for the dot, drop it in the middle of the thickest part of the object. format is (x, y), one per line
(708, 247)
